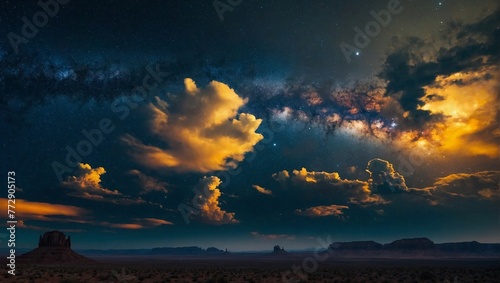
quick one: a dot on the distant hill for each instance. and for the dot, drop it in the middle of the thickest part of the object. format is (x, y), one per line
(55, 247)
(359, 245)
(111, 252)
(470, 247)
(416, 244)
(413, 246)
(194, 250)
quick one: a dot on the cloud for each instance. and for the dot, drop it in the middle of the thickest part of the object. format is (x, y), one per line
(281, 176)
(148, 184)
(139, 223)
(46, 212)
(87, 182)
(480, 185)
(468, 101)
(314, 177)
(207, 200)
(272, 236)
(201, 129)
(262, 190)
(433, 96)
(383, 177)
(42, 210)
(413, 66)
(321, 211)
(329, 186)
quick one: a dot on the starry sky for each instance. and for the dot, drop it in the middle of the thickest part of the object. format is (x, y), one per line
(245, 124)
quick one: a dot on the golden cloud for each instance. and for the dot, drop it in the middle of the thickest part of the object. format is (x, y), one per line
(202, 129)
(469, 102)
(321, 211)
(314, 177)
(208, 203)
(272, 236)
(281, 176)
(262, 190)
(330, 185)
(41, 211)
(482, 185)
(87, 182)
(139, 223)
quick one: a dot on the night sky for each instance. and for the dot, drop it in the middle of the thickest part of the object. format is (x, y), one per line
(245, 124)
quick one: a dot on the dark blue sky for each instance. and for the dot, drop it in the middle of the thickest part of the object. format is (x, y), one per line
(116, 114)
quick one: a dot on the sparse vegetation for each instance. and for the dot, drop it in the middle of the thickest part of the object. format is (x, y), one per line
(268, 273)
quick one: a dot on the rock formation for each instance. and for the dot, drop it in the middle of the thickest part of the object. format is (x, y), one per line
(53, 247)
(358, 245)
(279, 250)
(54, 239)
(415, 244)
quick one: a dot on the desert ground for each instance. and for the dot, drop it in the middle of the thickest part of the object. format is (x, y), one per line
(240, 268)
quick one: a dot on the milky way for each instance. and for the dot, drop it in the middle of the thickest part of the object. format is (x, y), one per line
(168, 120)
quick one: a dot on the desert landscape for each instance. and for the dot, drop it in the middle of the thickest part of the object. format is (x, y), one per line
(250, 141)
(254, 269)
(405, 260)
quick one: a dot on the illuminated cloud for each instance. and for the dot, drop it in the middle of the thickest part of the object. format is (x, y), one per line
(383, 177)
(42, 210)
(480, 185)
(139, 223)
(321, 211)
(148, 184)
(87, 182)
(329, 186)
(272, 236)
(469, 103)
(202, 129)
(281, 176)
(448, 98)
(46, 212)
(262, 190)
(208, 203)
(314, 177)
